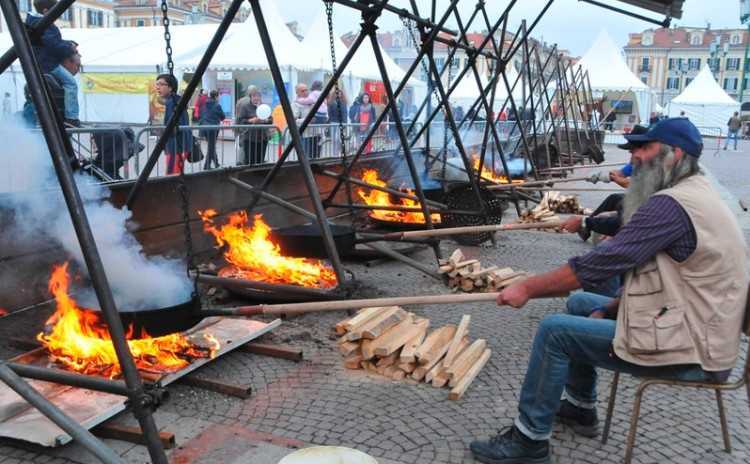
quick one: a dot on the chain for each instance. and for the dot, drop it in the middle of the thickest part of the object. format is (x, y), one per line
(167, 35)
(182, 188)
(337, 90)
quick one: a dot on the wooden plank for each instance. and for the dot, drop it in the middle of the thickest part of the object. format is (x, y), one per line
(348, 348)
(217, 386)
(388, 360)
(353, 361)
(131, 435)
(398, 335)
(439, 367)
(380, 323)
(407, 367)
(408, 352)
(458, 391)
(456, 257)
(398, 375)
(453, 349)
(362, 316)
(435, 346)
(466, 360)
(368, 351)
(274, 351)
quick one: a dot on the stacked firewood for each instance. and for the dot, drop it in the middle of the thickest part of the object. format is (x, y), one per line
(468, 275)
(396, 344)
(562, 204)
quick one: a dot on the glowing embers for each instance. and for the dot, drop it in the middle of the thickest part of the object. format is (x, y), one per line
(489, 174)
(380, 198)
(254, 255)
(77, 339)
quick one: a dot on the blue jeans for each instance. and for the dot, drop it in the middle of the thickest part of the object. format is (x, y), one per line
(731, 135)
(70, 86)
(566, 350)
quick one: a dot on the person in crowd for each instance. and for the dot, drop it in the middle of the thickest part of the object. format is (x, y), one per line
(308, 99)
(301, 108)
(653, 119)
(244, 101)
(733, 129)
(338, 109)
(180, 143)
(458, 113)
(362, 115)
(609, 121)
(211, 114)
(596, 117)
(253, 141)
(687, 327)
(50, 51)
(200, 102)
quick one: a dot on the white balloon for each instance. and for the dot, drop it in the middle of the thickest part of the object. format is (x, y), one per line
(263, 111)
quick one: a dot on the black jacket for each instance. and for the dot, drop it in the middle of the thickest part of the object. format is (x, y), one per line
(211, 114)
(50, 48)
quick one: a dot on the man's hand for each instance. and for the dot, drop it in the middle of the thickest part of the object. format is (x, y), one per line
(617, 177)
(516, 296)
(572, 224)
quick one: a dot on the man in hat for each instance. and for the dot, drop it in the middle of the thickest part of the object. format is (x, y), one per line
(598, 221)
(679, 314)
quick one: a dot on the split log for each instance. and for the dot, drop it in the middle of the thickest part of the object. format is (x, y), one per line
(408, 352)
(353, 361)
(382, 322)
(458, 391)
(466, 360)
(461, 331)
(432, 348)
(397, 336)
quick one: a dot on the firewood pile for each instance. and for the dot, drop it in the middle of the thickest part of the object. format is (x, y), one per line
(397, 344)
(552, 203)
(468, 275)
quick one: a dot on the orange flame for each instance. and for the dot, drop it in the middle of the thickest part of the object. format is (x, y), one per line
(256, 257)
(490, 175)
(380, 198)
(79, 339)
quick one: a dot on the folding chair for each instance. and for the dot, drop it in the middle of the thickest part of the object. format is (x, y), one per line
(647, 382)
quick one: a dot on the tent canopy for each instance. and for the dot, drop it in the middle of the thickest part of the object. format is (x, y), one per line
(607, 68)
(705, 103)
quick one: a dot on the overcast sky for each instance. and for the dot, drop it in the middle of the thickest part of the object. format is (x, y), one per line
(569, 23)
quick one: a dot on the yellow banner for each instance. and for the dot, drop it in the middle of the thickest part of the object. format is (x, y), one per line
(117, 83)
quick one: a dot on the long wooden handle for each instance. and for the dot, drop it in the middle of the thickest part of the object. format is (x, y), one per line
(473, 230)
(320, 306)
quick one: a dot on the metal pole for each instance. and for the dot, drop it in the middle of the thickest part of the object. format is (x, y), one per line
(116, 387)
(171, 125)
(95, 446)
(139, 399)
(309, 177)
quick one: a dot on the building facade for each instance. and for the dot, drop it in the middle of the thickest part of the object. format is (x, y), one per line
(668, 59)
(82, 14)
(137, 13)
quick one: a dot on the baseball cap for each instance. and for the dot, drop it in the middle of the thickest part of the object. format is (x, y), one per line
(677, 132)
(637, 130)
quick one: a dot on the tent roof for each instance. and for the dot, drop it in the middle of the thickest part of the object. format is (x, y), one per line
(704, 90)
(607, 68)
(467, 89)
(317, 51)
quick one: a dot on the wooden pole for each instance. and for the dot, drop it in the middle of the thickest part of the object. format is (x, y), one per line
(472, 230)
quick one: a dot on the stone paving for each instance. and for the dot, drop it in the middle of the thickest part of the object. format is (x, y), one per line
(317, 401)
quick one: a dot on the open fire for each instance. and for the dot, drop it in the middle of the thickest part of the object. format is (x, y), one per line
(77, 339)
(490, 175)
(380, 198)
(255, 256)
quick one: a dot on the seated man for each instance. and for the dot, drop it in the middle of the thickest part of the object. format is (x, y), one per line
(681, 308)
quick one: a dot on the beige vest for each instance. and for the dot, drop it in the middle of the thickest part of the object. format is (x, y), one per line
(689, 312)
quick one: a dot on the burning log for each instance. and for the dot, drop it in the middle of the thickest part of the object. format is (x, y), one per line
(78, 340)
(255, 257)
(469, 276)
(404, 210)
(406, 351)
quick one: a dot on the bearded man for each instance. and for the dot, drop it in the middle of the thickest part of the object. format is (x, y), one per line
(680, 310)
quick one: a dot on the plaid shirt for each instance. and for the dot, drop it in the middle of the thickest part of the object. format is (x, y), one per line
(660, 224)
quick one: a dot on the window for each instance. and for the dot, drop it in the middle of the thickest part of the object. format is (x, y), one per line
(695, 39)
(140, 23)
(713, 63)
(647, 39)
(675, 64)
(694, 64)
(67, 16)
(733, 64)
(730, 83)
(94, 18)
(644, 79)
(688, 80)
(736, 39)
(745, 83)
(673, 83)
(645, 61)
(24, 5)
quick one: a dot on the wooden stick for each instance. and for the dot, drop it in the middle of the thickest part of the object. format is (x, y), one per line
(338, 305)
(459, 390)
(472, 230)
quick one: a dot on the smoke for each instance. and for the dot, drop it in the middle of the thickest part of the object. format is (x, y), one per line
(29, 190)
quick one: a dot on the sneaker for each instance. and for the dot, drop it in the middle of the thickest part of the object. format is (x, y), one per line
(583, 421)
(510, 446)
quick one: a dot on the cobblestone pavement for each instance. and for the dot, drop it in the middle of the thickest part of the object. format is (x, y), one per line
(319, 402)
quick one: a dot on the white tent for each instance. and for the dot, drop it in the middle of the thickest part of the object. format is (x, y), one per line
(317, 51)
(608, 72)
(467, 91)
(704, 102)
